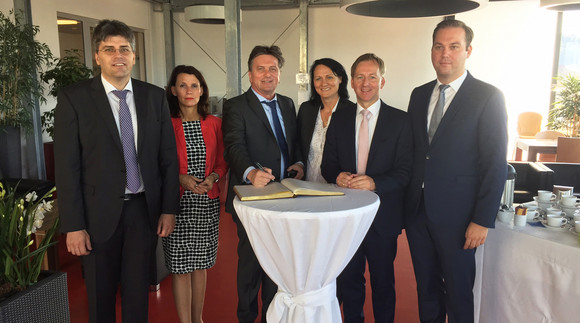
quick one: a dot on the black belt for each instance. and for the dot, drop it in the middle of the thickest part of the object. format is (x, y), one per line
(129, 197)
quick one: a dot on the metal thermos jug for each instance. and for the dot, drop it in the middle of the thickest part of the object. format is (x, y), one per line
(507, 198)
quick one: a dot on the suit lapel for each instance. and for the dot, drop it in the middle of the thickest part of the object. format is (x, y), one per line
(377, 134)
(425, 98)
(257, 108)
(456, 104)
(101, 102)
(141, 108)
(349, 130)
(310, 114)
(287, 114)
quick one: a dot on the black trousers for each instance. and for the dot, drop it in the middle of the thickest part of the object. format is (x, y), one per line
(249, 279)
(380, 252)
(444, 271)
(123, 259)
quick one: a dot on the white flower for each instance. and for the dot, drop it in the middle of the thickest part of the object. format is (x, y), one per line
(31, 197)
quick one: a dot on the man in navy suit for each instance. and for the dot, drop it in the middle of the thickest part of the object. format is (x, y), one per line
(258, 126)
(374, 155)
(459, 171)
(117, 176)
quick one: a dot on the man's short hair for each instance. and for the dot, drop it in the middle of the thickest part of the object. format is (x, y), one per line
(109, 28)
(266, 50)
(452, 23)
(368, 57)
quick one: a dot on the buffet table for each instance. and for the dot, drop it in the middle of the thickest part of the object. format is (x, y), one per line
(303, 244)
(528, 274)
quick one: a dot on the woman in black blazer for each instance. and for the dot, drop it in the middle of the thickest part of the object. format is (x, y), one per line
(328, 92)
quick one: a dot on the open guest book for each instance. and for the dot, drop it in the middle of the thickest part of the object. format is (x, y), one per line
(289, 187)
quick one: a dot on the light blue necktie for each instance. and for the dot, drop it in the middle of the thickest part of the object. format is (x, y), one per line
(128, 141)
(437, 112)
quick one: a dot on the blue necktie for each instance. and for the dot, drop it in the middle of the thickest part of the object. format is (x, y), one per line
(279, 133)
(437, 112)
(128, 141)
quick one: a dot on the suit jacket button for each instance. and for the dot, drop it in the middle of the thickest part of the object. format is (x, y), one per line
(428, 157)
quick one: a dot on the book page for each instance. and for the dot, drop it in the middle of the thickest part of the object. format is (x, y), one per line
(273, 190)
(299, 187)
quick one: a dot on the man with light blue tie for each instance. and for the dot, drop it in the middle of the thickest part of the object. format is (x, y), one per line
(259, 128)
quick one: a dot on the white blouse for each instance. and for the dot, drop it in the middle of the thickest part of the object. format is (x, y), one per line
(313, 172)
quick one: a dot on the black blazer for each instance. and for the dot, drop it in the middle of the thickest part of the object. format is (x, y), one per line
(464, 168)
(306, 121)
(389, 161)
(90, 168)
(248, 137)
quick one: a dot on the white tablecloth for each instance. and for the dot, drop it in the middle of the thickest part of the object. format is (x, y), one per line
(528, 274)
(303, 244)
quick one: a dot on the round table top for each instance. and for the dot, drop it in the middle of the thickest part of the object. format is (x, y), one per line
(307, 206)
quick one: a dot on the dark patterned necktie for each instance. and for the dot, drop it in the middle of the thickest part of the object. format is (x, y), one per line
(128, 141)
(280, 138)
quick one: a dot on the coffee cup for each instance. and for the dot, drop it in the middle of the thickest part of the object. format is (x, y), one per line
(569, 200)
(545, 196)
(520, 220)
(554, 210)
(556, 220)
(561, 193)
(577, 226)
(505, 216)
(576, 215)
(532, 214)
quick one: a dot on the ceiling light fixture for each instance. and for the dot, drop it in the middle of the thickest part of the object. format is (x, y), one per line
(61, 22)
(205, 14)
(560, 5)
(408, 8)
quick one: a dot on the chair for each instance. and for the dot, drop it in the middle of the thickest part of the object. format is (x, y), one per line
(568, 150)
(529, 124)
(548, 134)
(530, 177)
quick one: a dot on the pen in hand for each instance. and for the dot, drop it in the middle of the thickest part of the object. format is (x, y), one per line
(260, 167)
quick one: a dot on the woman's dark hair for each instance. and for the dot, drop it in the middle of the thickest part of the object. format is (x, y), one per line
(202, 105)
(338, 70)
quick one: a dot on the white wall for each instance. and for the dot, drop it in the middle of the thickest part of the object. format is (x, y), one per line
(513, 46)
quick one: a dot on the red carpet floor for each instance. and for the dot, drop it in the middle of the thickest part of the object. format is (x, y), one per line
(221, 297)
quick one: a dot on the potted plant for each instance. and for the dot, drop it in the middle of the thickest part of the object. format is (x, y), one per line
(20, 216)
(65, 71)
(565, 113)
(21, 56)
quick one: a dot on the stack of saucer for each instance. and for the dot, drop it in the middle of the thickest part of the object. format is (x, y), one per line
(545, 204)
(569, 204)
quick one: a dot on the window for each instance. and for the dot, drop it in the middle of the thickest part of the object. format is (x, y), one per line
(569, 58)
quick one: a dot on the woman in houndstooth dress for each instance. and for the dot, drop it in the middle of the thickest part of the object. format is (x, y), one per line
(192, 247)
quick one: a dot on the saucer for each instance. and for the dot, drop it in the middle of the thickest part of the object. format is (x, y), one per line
(552, 200)
(535, 220)
(563, 227)
(530, 204)
(569, 210)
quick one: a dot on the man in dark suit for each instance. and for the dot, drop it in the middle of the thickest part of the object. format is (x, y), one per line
(381, 163)
(259, 127)
(117, 176)
(459, 171)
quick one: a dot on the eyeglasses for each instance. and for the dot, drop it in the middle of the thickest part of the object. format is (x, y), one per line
(110, 51)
